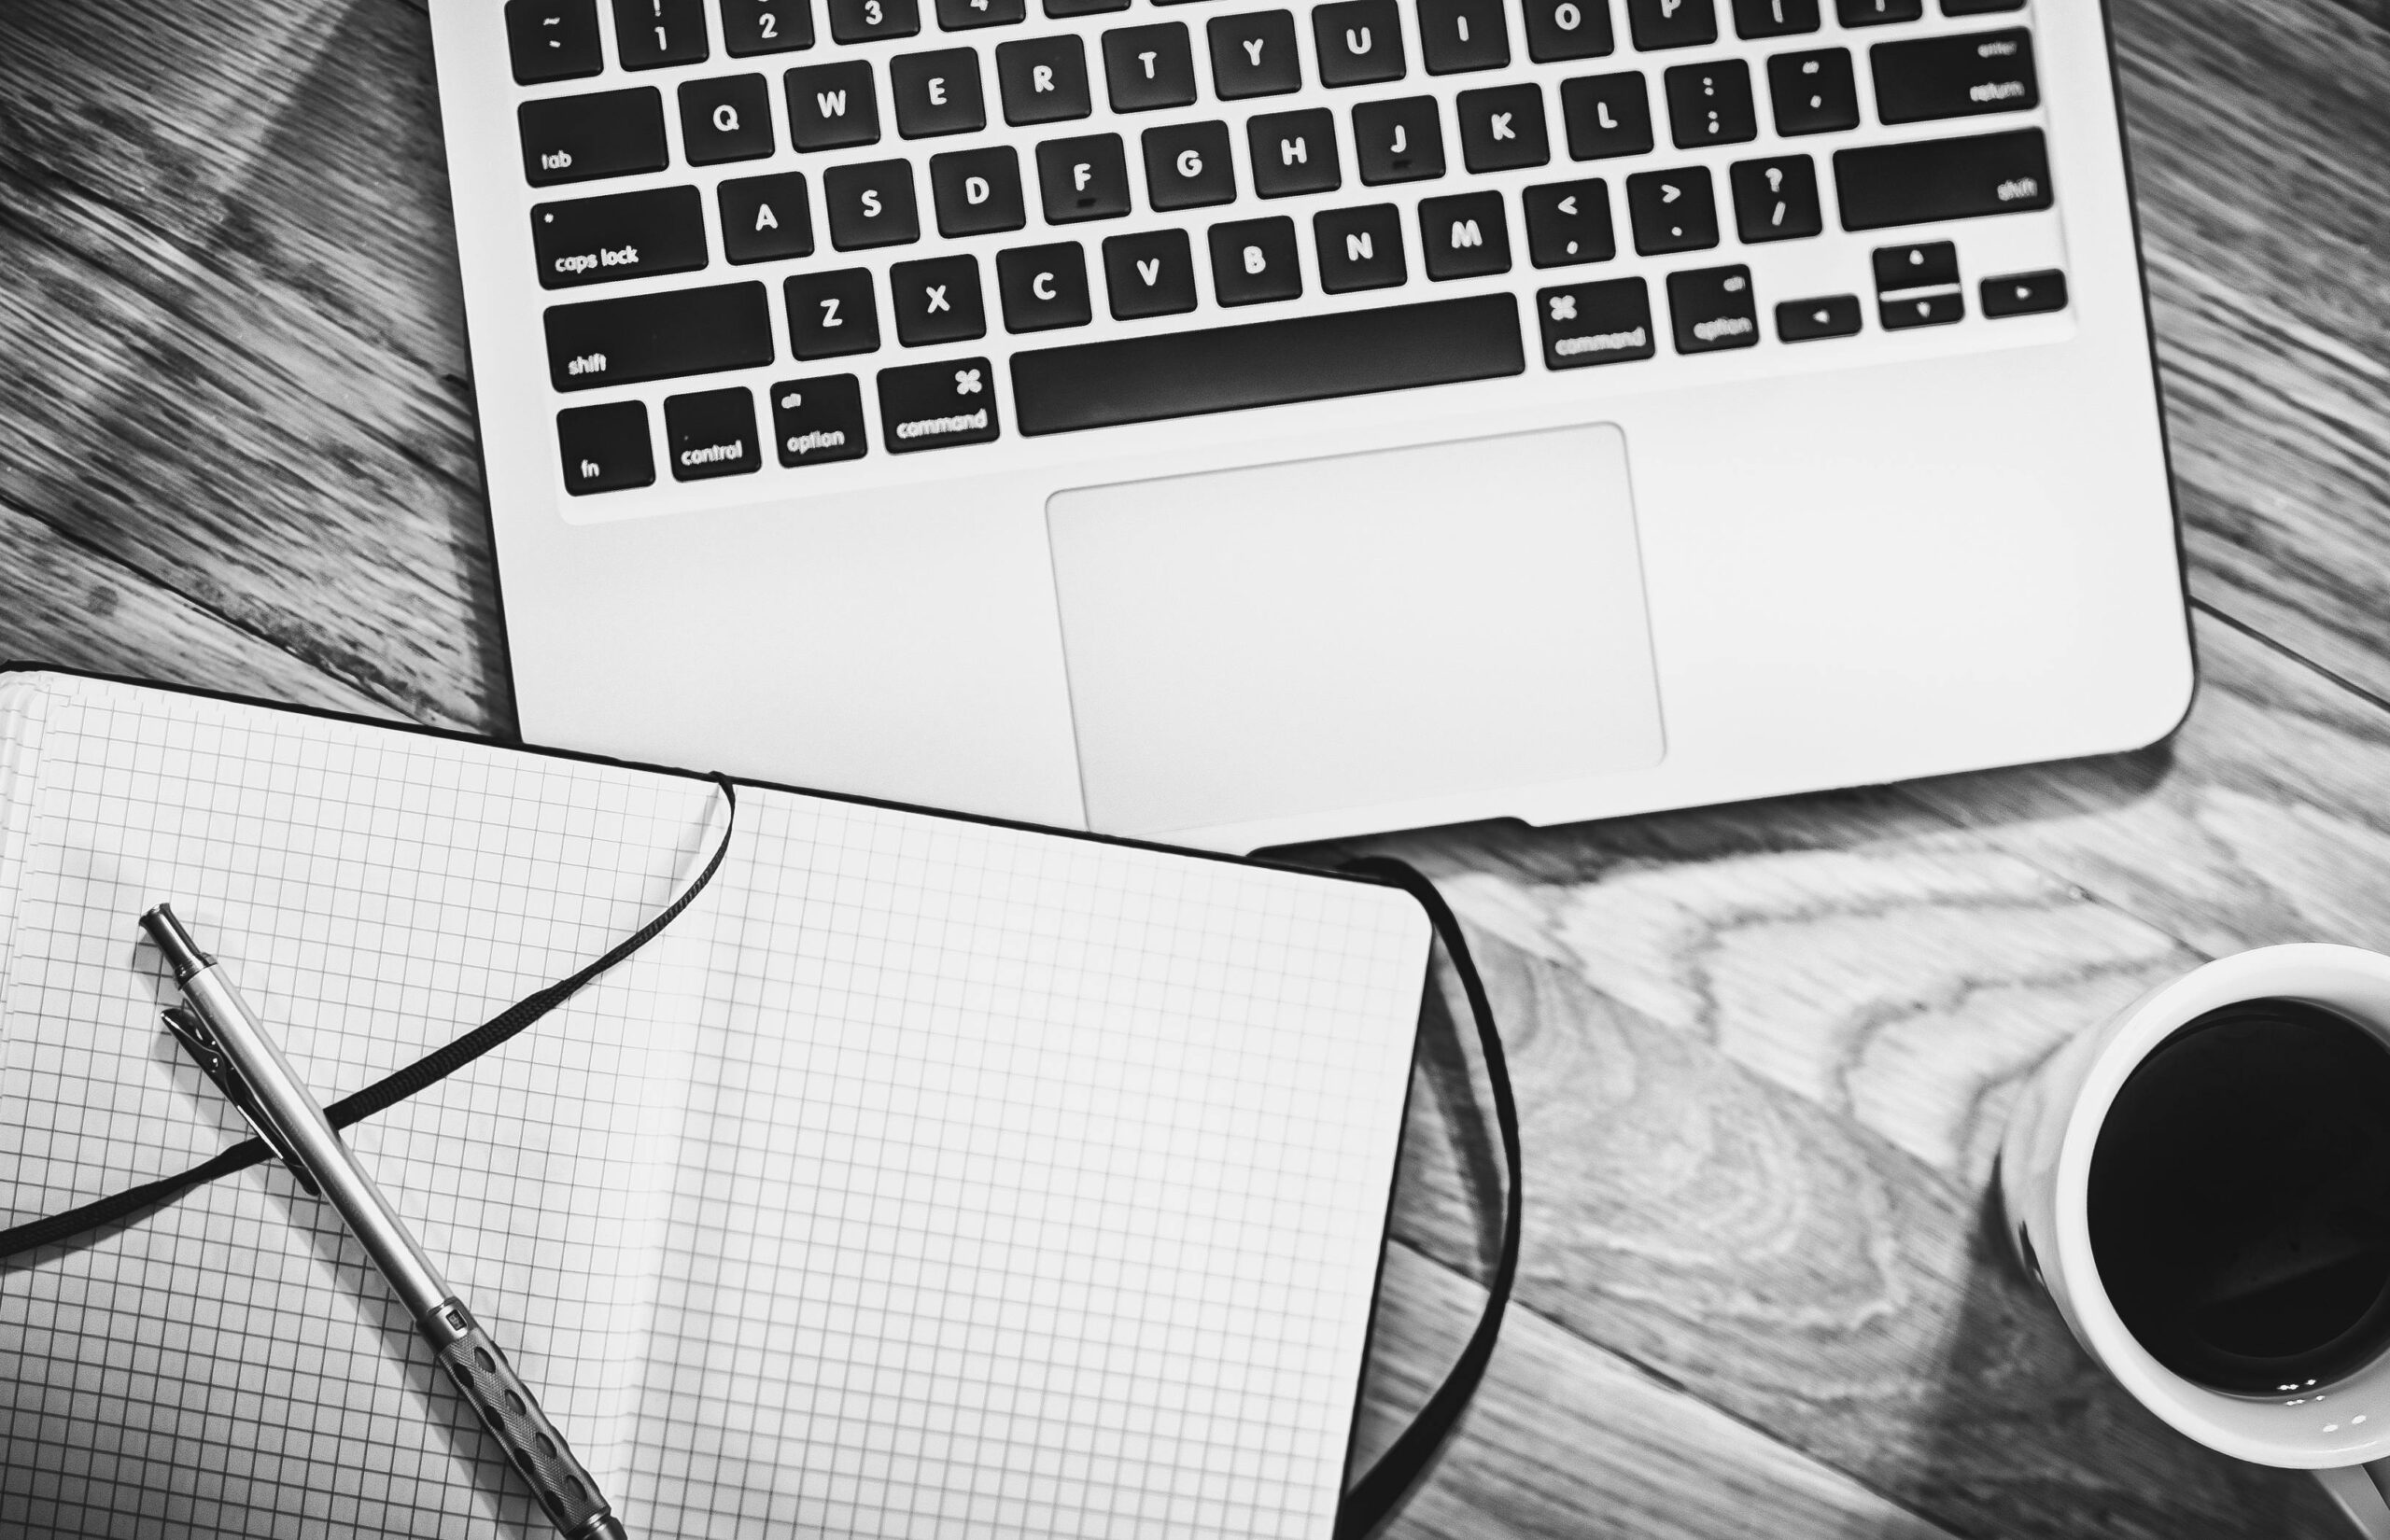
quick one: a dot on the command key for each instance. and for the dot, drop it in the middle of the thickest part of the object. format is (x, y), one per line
(929, 406)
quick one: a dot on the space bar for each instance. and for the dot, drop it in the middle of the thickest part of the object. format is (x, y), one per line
(1265, 363)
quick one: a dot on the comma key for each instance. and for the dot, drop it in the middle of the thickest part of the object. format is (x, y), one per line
(931, 406)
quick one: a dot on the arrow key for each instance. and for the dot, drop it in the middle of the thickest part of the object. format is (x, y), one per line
(1568, 222)
(1807, 320)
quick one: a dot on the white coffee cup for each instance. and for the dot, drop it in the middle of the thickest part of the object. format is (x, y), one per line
(2339, 1431)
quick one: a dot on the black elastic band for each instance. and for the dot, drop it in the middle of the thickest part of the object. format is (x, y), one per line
(387, 1091)
(1371, 1499)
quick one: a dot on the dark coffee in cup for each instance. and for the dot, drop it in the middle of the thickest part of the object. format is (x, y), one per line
(2239, 1199)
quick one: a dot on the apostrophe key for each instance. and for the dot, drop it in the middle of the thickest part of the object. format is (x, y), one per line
(582, 138)
(553, 40)
(658, 336)
(652, 33)
(1813, 91)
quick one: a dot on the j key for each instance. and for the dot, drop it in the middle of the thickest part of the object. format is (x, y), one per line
(711, 433)
(871, 205)
(1711, 104)
(1400, 141)
(1887, 184)
(1149, 275)
(1776, 199)
(936, 301)
(627, 235)
(1254, 55)
(750, 27)
(727, 119)
(652, 33)
(1712, 309)
(582, 138)
(1253, 262)
(1188, 166)
(962, 15)
(1607, 114)
(1813, 91)
(658, 336)
(1043, 79)
(833, 106)
(1060, 8)
(2024, 293)
(1044, 287)
(1872, 13)
(1359, 248)
(977, 191)
(1294, 152)
(1672, 211)
(1603, 323)
(553, 40)
(605, 447)
(1457, 36)
(1266, 363)
(1358, 42)
(1150, 67)
(1501, 129)
(818, 420)
(1567, 29)
(1932, 264)
(929, 406)
(1775, 18)
(1672, 23)
(1464, 236)
(831, 314)
(766, 218)
(1568, 222)
(1921, 79)
(1084, 178)
(868, 20)
(1807, 320)
(936, 94)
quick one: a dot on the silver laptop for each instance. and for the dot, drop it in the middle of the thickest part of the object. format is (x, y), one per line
(1236, 424)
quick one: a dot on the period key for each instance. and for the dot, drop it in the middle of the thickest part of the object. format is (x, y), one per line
(929, 406)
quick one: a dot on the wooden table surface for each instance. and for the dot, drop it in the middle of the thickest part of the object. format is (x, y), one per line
(1762, 1051)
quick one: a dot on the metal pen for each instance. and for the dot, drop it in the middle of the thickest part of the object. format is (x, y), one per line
(224, 1035)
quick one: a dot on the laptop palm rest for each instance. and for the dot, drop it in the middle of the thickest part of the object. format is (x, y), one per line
(1355, 632)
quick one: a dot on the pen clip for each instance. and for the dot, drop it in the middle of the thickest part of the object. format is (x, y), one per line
(191, 1030)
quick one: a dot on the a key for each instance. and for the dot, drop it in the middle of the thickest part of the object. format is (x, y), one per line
(1776, 199)
(1464, 236)
(1501, 128)
(1141, 379)
(1188, 166)
(1671, 23)
(833, 106)
(1150, 67)
(936, 94)
(871, 204)
(1567, 29)
(1568, 222)
(652, 33)
(1710, 103)
(750, 27)
(1598, 322)
(605, 448)
(1254, 55)
(1399, 141)
(1872, 13)
(1807, 320)
(1359, 248)
(936, 301)
(626, 235)
(1775, 18)
(1293, 152)
(1606, 115)
(1458, 35)
(728, 119)
(963, 15)
(977, 191)
(931, 406)
(1919, 80)
(711, 433)
(766, 218)
(870, 21)
(1149, 275)
(819, 420)
(1253, 262)
(554, 40)
(1358, 42)
(658, 336)
(832, 314)
(1887, 184)
(582, 138)
(1043, 288)
(1713, 309)
(1813, 91)
(2024, 294)
(1672, 211)
(1083, 178)
(1043, 79)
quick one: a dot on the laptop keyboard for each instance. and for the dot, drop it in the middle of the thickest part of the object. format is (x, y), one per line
(905, 213)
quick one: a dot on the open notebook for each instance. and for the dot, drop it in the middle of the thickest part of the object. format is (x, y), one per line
(927, 1176)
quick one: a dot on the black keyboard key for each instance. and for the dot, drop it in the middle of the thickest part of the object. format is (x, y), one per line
(1266, 363)
(766, 218)
(605, 448)
(1672, 211)
(1711, 104)
(1712, 309)
(1979, 7)
(963, 15)
(1568, 222)
(1886, 185)
(1776, 199)
(582, 138)
(1188, 166)
(1775, 18)
(833, 106)
(1149, 275)
(626, 235)
(1359, 248)
(1600, 323)
(1043, 79)
(1931, 264)
(1044, 287)
(728, 119)
(1084, 178)
(1607, 114)
(1060, 8)
(1150, 67)
(1358, 42)
(935, 93)
(2024, 293)
(931, 406)
(819, 420)
(1813, 91)
(1922, 78)
(658, 336)
(831, 314)
(1458, 35)
(1946, 307)
(750, 27)
(1875, 13)
(711, 433)
(871, 21)
(1400, 141)
(977, 191)
(1464, 236)
(871, 205)
(1672, 23)
(1254, 55)
(1567, 29)
(1807, 320)
(1293, 152)
(936, 301)
(652, 33)
(554, 40)
(1253, 262)
(1501, 128)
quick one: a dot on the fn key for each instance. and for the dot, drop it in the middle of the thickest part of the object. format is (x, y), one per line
(605, 447)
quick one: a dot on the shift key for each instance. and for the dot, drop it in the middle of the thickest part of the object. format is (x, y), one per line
(658, 336)
(1885, 185)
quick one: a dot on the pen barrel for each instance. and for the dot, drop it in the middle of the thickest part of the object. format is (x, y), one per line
(507, 1408)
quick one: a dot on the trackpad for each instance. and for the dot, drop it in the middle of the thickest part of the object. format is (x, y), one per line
(1354, 632)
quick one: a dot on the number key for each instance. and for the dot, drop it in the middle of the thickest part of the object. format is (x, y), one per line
(766, 26)
(652, 33)
(962, 15)
(866, 21)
